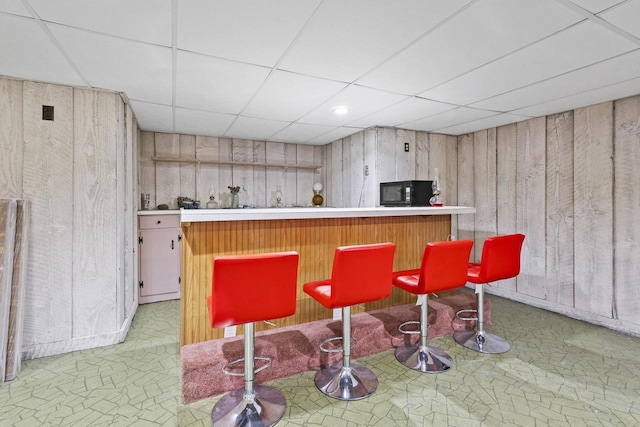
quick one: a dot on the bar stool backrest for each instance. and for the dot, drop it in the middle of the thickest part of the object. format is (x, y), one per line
(251, 288)
(500, 258)
(361, 273)
(444, 265)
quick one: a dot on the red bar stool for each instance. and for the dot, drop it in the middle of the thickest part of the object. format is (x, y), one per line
(360, 274)
(247, 289)
(444, 267)
(500, 260)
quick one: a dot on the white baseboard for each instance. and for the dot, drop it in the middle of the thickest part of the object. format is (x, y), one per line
(614, 324)
(82, 343)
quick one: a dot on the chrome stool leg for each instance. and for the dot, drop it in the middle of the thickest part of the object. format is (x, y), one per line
(249, 406)
(479, 340)
(347, 381)
(423, 358)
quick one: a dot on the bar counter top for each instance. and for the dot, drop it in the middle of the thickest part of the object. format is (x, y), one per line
(248, 214)
(159, 212)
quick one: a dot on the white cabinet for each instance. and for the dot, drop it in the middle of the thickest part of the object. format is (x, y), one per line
(159, 242)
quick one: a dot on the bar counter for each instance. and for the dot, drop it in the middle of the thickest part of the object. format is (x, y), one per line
(314, 233)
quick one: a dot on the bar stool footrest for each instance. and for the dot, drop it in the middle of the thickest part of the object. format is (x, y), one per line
(410, 322)
(335, 350)
(226, 371)
(465, 318)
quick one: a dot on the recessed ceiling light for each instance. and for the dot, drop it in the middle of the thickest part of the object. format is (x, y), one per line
(340, 110)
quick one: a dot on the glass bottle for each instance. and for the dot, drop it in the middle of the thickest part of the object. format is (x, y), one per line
(235, 201)
(436, 200)
(212, 204)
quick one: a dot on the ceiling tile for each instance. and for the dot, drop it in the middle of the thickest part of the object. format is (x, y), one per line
(482, 33)
(144, 20)
(254, 129)
(334, 135)
(573, 48)
(272, 70)
(288, 96)
(43, 62)
(297, 132)
(14, 7)
(447, 119)
(608, 93)
(625, 16)
(595, 6)
(142, 71)
(253, 31)
(605, 73)
(345, 39)
(363, 101)
(405, 111)
(486, 123)
(195, 122)
(216, 85)
(153, 117)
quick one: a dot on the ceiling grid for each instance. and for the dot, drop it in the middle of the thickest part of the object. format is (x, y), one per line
(273, 70)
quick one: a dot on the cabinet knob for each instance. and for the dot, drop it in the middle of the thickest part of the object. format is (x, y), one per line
(159, 222)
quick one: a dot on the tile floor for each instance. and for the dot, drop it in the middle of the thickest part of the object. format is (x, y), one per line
(559, 372)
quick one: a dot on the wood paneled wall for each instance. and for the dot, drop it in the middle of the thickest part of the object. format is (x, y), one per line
(626, 212)
(505, 189)
(8, 216)
(166, 181)
(381, 151)
(314, 239)
(570, 183)
(77, 173)
(11, 138)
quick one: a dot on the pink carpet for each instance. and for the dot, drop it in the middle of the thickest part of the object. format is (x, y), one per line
(294, 349)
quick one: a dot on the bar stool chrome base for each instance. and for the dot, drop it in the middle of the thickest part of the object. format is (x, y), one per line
(353, 383)
(427, 359)
(479, 340)
(264, 408)
(482, 342)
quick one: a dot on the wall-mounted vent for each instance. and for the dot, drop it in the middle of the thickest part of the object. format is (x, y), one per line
(47, 112)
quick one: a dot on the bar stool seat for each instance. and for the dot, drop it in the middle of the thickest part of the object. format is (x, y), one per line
(500, 260)
(443, 267)
(247, 289)
(360, 274)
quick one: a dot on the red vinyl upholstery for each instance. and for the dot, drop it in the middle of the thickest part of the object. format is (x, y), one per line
(250, 288)
(500, 259)
(444, 266)
(361, 273)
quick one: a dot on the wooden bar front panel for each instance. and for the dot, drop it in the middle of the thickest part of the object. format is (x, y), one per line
(314, 239)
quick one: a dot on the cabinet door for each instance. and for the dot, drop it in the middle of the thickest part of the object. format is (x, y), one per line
(159, 262)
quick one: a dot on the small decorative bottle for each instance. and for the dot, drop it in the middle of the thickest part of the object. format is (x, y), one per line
(436, 200)
(212, 204)
(278, 197)
(235, 198)
(235, 201)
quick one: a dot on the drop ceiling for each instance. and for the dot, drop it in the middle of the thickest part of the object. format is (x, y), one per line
(272, 70)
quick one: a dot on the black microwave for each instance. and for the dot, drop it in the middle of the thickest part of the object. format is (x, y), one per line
(406, 193)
